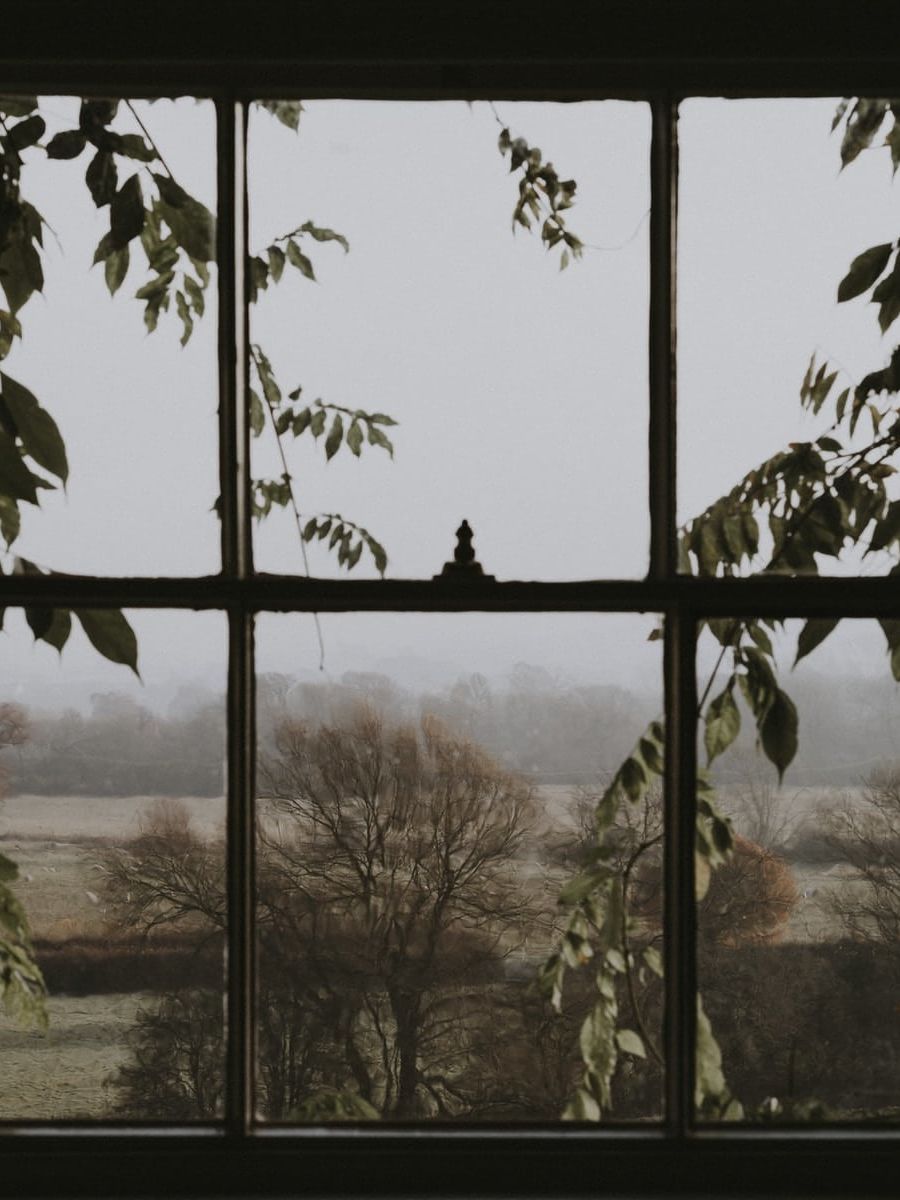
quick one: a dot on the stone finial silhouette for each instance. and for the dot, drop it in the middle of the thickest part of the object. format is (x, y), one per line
(465, 566)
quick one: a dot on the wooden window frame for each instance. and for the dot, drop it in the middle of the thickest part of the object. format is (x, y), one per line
(660, 51)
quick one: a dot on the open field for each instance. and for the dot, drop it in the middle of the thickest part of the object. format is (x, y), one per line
(62, 1074)
(59, 844)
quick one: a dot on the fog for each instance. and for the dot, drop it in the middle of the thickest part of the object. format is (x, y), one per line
(520, 390)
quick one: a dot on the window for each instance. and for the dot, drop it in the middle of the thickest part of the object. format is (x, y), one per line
(646, 54)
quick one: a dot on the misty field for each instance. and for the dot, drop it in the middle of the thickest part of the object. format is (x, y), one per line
(64, 1073)
(59, 844)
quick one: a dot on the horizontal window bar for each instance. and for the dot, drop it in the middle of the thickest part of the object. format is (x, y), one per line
(808, 596)
(522, 1166)
(637, 79)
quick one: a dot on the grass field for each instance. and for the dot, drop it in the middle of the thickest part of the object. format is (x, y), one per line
(59, 843)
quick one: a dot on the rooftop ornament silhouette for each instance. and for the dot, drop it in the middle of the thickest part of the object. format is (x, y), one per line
(465, 567)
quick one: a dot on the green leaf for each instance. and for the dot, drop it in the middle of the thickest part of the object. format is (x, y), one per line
(110, 634)
(68, 144)
(126, 212)
(184, 313)
(195, 295)
(778, 732)
(9, 872)
(276, 262)
(378, 554)
(582, 1107)
(116, 268)
(633, 778)
(381, 419)
(286, 111)
(21, 273)
(355, 437)
(723, 723)
(653, 959)
(10, 523)
(57, 633)
(865, 269)
(301, 421)
(325, 235)
(751, 532)
(317, 423)
(102, 178)
(815, 631)
(299, 260)
(192, 224)
(377, 438)
(761, 638)
(132, 145)
(630, 1042)
(335, 434)
(733, 529)
(582, 885)
(16, 481)
(257, 414)
(650, 753)
(26, 133)
(34, 425)
(39, 620)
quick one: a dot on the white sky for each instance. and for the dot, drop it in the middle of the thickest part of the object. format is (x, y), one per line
(520, 391)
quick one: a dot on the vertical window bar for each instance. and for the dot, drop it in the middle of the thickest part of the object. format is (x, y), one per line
(663, 209)
(231, 251)
(237, 564)
(680, 910)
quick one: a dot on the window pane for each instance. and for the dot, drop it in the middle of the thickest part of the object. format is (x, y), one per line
(520, 391)
(420, 809)
(798, 929)
(769, 225)
(131, 185)
(112, 810)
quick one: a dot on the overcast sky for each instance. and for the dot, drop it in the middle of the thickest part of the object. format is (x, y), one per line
(520, 390)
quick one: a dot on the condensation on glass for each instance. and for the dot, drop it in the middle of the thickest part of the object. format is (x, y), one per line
(420, 807)
(519, 391)
(112, 809)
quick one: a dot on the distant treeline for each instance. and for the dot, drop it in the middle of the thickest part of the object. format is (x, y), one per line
(544, 726)
(120, 749)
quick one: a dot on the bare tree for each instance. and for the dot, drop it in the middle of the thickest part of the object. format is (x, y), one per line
(865, 834)
(390, 858)
(388, 901)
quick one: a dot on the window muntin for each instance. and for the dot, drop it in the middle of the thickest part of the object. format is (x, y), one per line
(548, 1166)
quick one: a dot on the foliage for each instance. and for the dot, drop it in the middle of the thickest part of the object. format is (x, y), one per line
(543, 195)
(815, 500)
(21, 982)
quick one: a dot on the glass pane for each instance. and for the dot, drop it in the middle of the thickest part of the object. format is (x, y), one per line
(520, 391)
(420, 811)
(112, 810)
(769, 225)
(134, 434)
(798, 928)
